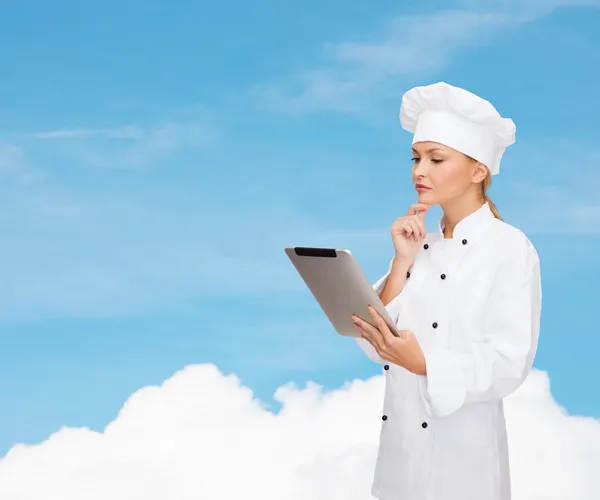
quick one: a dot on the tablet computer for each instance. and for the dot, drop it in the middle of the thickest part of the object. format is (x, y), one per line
(339, 286)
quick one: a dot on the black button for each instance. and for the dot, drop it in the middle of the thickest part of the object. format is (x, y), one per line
(384, 417)
(408, 274)
(424, 425)
(464, 242)
(443, 276)
(386, 367)
(426, 246)
(435, 325)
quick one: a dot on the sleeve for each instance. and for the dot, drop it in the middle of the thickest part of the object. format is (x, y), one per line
(496, 366)
(378, 286)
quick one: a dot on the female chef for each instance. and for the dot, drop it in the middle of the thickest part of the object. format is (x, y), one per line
(466, 301)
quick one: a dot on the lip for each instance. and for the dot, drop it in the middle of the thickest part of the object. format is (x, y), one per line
(421, 188)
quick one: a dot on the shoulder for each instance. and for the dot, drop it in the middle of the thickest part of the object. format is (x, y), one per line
(512, 243)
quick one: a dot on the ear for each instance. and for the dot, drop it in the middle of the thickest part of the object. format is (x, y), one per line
(479, 172)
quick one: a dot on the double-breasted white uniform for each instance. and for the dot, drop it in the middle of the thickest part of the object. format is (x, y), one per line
(473, 302)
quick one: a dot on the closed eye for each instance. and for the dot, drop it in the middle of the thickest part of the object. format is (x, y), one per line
(436, 160)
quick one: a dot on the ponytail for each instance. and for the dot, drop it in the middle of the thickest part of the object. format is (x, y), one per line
(484, 186)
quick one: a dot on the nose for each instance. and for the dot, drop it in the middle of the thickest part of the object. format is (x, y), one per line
(418, 170)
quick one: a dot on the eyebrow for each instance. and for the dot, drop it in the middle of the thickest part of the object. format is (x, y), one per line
(429, 150)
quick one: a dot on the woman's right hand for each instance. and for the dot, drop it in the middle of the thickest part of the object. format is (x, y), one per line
(408, 232)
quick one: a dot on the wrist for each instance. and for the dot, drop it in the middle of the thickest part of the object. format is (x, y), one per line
(420, 368)
(402, 263)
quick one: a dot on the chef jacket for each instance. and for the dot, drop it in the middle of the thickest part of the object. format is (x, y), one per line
(473, 302)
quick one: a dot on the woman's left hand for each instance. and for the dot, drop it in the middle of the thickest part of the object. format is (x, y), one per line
(404, 350)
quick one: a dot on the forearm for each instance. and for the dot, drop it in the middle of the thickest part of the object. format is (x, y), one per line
(481, 373)
(395, 282)
(494, 365)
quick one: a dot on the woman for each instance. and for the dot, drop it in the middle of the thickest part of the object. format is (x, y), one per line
(466, 301)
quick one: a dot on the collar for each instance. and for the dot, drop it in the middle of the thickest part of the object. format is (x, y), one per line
(472, 226)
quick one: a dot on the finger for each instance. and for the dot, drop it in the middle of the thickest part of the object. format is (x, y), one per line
(408, 228)
(368, 327)
(414, 237)
(382, 326)
(415, 227)
(365, 335)
(388, 337)
(421, 215)
(369, 338)
(402, 229)
(357, 327)
(373, 333)
(421, 225)
(413, 209)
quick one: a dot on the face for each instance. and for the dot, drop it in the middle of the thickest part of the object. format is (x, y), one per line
(446, 173)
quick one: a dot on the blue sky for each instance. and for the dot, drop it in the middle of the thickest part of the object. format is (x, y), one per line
(157, 157)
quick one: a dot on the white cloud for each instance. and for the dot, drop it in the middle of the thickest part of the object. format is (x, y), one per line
(126, 132)
(557, 192)
(203, 435)
(354, 74)
(14, 165)
(124, 251)
(11, 157)
(127, 146)
(356, 71)
(525, 10)
(565, 210)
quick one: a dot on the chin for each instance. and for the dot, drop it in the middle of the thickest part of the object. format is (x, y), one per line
(428, 198)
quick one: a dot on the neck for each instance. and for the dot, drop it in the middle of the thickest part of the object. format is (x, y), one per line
(457, 210)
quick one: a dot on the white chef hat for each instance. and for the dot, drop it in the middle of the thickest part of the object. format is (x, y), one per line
(459, 119)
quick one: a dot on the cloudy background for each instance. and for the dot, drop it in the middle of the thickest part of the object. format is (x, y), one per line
(155, 159)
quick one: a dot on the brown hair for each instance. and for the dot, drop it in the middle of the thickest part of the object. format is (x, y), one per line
(485, 184)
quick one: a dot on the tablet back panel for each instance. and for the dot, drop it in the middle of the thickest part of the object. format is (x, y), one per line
(339, 285)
